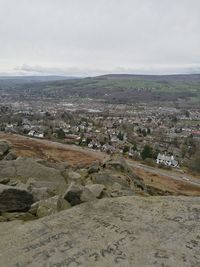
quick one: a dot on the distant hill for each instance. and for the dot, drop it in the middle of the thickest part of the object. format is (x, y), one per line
(30, 79)
(175, 77)
(112, 88)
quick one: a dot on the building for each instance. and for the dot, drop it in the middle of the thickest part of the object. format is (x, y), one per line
(166, 160)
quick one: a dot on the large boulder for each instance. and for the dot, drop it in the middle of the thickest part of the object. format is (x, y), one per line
(23, 216)
(94, 168)
(22, 169)
(14, 199)
(4, 180)
(126, 231)
(4, 148)
(117, 164)
(10, 156)
(72, 176)
(96, 189)
(38, 192)
(108, 179)
(77, 194)
(49, 206)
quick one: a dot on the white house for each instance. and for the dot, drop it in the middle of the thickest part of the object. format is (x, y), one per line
(32, 133)
(167, 160)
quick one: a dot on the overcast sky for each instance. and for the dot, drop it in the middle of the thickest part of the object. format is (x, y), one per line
(90, 37)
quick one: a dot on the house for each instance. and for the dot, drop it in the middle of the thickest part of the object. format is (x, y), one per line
(196, 134)
(167, 160)
(32, 133)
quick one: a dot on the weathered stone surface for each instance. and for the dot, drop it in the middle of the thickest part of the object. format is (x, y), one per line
(94, 168)
(96, 189)
(22, 169)
(74, 176)
(4, 148)
(38, 192)
(10, 156)
(14, 199)
(127, 231)
(109, 179)
(118, 164)
(77, 194)
(4, 180)
(2, 219)
(23, 216)
(51, 205)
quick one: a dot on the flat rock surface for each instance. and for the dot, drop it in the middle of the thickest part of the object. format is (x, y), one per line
(126, 231)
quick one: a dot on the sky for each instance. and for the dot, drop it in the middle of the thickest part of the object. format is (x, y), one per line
(94, 37)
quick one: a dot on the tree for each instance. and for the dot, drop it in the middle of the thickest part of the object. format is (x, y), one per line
(120, 136)
(126, 149)
(60, 134)
(147, 152)
(195, 163)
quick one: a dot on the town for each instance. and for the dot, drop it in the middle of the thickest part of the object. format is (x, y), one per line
(166, 135)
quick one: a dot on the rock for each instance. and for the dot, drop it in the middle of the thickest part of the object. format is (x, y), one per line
(73, 177)
(4, 180)
(2, 219)
(4, 148)
(13, 182)
(109, 179)
(126, 231)
(50, 206)
(94, 168)
(10, 156)
(14, 199)
(157, 192)
(34, 207)
(96, 189)
(23, 169)
(118, 164)
(116, 187)
(77, 194)
(122, 193)
(38, 192)
(24, 216)
(61, 166)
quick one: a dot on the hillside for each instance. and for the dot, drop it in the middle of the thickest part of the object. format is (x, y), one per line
(109, 88)
(65, 206)
(78, 157)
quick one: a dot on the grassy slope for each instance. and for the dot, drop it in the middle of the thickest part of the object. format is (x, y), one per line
(118, 86)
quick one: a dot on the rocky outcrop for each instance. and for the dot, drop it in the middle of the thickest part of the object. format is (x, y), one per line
(14, 199)
(22, 169)
(4, 148)
(77, 194)
(4, 180)
(96, 189)
(49, 206)
(126, 231)
(10, 156)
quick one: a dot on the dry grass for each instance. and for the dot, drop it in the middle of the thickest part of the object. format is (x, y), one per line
(52, 151)
(167, 183)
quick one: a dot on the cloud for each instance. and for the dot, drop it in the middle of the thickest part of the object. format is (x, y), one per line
(26, 69)
(88, 37)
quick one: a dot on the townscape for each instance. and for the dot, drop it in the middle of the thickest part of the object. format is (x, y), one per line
(99, 133)
(139, 131)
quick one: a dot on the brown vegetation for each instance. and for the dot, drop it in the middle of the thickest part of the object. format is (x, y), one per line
(52, 151)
